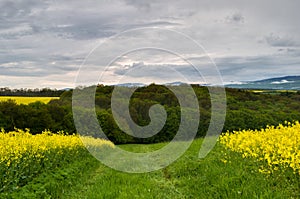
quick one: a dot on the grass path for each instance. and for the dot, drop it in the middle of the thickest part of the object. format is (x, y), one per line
(188, 177)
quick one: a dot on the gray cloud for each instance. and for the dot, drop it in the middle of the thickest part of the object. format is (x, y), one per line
(142, 5)
(235, 18)
(30, 69)
(160, 72)
(281, 41)
(245, 68)
(48, 40)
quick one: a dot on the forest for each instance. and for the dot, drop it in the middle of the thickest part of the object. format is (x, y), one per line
(37, 92)
(245, 110)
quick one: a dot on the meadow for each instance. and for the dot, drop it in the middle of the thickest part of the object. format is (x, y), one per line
(256, 156)
(233, 169)
(27, 100)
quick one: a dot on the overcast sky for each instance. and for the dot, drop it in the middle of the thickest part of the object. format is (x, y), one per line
(43, 43)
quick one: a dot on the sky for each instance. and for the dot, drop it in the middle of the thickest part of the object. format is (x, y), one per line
(48, 43)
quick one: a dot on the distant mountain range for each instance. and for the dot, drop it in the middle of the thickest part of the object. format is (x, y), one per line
(278, 83)
(141, 84)
(131, 85)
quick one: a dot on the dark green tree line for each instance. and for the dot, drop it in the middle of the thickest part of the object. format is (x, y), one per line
(245, 110)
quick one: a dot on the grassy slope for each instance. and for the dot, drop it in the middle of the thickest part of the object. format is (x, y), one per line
(27, 100)
(188, 177)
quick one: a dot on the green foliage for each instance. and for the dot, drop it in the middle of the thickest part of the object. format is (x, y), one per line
(245, 110)
(36, 116)
(46, 92)
(54, 182)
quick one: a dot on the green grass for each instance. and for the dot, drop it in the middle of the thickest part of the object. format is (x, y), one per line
(54, 183)
(27, 100)
(188, 177)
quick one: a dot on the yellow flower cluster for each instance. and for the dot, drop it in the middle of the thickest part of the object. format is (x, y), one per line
(23, 155)
(278, 146)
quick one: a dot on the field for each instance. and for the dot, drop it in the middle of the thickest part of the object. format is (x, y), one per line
(27, 100)
(225, 173)
(273, 92)
(24, 156)
(278, 147)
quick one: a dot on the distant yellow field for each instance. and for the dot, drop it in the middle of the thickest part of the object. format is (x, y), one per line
(27, 100)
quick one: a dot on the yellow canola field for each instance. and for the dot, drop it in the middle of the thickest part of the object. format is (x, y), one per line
(23, 155)
(278, 147)
(27, 100)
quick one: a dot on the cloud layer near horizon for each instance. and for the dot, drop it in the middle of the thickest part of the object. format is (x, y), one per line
(43, 43)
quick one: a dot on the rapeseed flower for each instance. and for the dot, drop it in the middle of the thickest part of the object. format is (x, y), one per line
(278, 147)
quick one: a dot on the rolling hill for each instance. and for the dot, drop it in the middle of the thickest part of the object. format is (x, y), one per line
(278, 83)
